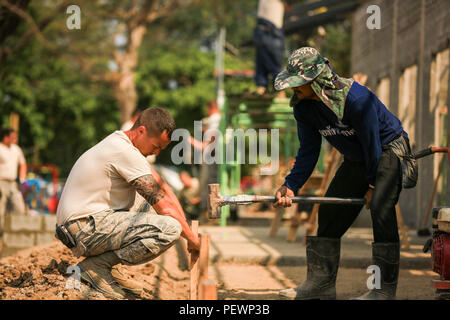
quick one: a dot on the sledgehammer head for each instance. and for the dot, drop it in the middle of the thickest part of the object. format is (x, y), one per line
(443, 150)
(214, 201)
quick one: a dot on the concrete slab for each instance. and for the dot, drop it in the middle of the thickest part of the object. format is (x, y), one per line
(252, 244)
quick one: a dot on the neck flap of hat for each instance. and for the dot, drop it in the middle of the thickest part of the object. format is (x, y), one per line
(331, 89)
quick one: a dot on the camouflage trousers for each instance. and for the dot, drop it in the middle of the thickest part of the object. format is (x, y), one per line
(135, 237)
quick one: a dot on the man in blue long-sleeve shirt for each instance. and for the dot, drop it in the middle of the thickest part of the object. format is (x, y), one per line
(377, 163)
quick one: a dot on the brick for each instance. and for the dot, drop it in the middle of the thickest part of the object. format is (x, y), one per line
(49, 223)
(18, 240)
(45, 237)
(24, 223)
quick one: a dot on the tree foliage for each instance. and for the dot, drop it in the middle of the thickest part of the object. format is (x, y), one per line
(61, 82)
(52, 81)
(61, 112)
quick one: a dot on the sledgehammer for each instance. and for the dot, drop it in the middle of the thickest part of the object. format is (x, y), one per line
(216, 201)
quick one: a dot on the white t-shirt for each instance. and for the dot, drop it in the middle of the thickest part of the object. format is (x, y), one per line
(10, 158)
(212, 121)
(272, 10)
(100, 179)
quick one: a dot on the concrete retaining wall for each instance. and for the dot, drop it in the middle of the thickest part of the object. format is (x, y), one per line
(21, 232)
(412, 33)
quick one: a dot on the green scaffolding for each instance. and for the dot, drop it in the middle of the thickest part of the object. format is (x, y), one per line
(257, 113)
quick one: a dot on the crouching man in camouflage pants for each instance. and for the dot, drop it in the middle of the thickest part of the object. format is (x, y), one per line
(94, 218)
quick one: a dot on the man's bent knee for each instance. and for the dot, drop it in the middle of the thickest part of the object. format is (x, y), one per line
(172, 228)
(143, 250)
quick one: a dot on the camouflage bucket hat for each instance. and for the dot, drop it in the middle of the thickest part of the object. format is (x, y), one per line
(303, 66)
(306, 65)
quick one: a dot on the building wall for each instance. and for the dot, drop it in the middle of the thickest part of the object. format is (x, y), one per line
(412, 33)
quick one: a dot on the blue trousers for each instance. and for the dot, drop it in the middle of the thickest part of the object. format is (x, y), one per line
(269, 42)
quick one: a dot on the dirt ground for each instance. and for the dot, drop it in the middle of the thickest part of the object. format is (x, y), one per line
(41, 273)
(251, 282)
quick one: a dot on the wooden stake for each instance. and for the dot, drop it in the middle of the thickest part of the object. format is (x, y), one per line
(194, 268)
(203, 261)
(209, 290)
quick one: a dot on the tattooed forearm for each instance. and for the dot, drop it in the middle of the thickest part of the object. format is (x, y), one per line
(149, 188)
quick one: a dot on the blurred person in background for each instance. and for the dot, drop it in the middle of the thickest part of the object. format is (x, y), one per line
(189, 195)
(269, 42)
(208, 172)
(12, 166)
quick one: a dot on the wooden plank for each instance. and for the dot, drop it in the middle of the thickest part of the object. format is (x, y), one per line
(403, 229)
(311, 224)
(433, 192)
(193, 284)
(306, 23)
(203, 261)
(183, 254)
(314, 182)
(303, 8)
(293, 228)
(276, 222)
(209, 290)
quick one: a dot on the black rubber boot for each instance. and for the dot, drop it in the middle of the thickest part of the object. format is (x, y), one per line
(322, 258)
(387, 257)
